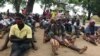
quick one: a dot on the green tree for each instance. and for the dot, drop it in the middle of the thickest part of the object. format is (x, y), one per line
(49, 3)
(2, 2)
(22, 4)
(92, 6)
(79, 2)
(96, 7)
(16, 4)
(46, 3)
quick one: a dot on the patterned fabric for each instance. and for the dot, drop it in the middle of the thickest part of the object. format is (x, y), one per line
(56, 29)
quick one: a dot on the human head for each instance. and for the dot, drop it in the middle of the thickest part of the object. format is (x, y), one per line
(64, 20)
(59, 21)
(47, 10)
(19, 18)
(92, 23)
(53, 21)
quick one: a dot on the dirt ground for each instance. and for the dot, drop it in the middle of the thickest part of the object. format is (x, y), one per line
(45, 49)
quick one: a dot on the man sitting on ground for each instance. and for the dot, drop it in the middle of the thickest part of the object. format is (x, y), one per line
(90, 33)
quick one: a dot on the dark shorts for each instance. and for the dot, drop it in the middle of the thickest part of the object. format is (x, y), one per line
(19, 49)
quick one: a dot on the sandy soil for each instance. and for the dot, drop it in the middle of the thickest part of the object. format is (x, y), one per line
(45, 49)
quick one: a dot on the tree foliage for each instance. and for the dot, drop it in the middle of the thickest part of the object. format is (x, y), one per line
(2, 2)
(17, 4)
(91, 5)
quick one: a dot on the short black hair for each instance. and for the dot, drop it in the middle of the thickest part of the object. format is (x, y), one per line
(20, 15)
(53, 21)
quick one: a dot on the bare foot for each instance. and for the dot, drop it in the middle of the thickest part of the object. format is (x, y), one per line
(83, 50)
(2, 49)
(98, 41)
(0, 36)
(35, 48)
(86, 39)
(73, 40)
(55, 54)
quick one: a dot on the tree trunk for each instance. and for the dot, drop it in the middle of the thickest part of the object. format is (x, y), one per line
(47, 5)
(89, 14)
(17, 5)
(44, 8)
(30, 6)
(89, 10)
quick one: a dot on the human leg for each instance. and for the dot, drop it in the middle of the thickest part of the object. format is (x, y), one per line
(55, 46)
(73, 47)
(5, 44)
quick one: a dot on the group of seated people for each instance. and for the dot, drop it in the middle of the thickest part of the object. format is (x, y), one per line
(58, 32)
(5, 24)
(92, 33)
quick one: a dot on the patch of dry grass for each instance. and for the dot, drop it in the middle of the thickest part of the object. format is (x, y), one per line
(96, 18)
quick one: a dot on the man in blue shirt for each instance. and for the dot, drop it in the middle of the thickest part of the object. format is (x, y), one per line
(90, 32)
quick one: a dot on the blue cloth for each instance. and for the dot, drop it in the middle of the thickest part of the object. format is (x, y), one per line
(90, 30)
